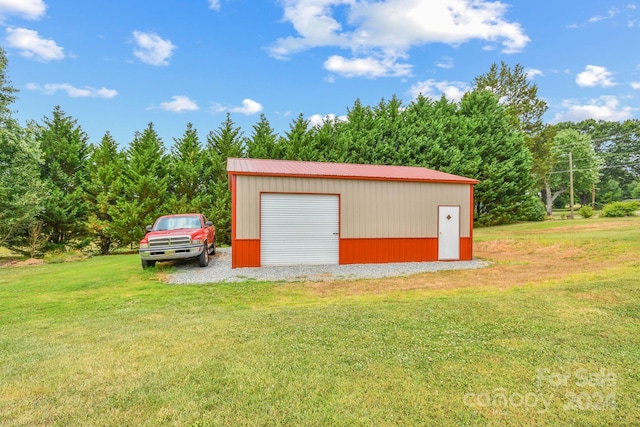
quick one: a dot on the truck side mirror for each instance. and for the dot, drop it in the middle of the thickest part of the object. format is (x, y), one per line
(208, 224)
(149, 228)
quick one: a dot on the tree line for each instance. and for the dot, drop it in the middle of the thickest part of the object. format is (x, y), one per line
(57, 189)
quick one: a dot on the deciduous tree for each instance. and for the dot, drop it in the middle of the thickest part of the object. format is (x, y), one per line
(21, 190)
(586, 166)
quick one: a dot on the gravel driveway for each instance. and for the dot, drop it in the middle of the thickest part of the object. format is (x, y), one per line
(219, 270)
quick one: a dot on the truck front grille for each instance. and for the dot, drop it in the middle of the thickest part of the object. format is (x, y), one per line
(155, 242)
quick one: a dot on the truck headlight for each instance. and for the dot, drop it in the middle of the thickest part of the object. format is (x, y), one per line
(144, 245)
(197, 241)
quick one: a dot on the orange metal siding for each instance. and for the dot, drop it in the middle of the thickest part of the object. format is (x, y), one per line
(466, 248)
(245, 253)
(373, 251)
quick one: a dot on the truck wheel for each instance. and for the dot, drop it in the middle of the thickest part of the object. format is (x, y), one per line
(213, 247)
(146, 263)
(203, 258)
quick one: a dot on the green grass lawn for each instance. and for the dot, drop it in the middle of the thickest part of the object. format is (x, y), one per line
(101, 342)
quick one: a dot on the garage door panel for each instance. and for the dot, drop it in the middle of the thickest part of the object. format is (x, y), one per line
(299, 229)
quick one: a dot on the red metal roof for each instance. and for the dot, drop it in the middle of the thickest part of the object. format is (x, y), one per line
(340, 170)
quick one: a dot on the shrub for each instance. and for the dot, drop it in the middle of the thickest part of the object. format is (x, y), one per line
(619, 209)
(585, 212)
(532, 209)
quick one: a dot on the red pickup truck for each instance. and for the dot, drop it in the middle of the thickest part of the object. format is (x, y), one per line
(179, 236)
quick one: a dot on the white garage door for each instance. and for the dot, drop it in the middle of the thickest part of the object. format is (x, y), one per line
(299, 229)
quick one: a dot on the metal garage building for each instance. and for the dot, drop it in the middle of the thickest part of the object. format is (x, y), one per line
(291, 212)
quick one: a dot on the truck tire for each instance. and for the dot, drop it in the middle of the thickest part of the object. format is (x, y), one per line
(213, 247)
(203, 258)
(146, 263)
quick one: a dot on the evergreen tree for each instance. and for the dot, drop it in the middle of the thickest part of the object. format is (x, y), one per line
(64, 172)
(427, 132)
(105, 165)
(187, 178)
(296, 139)
(493, 152)
(227, 141)
(142, 186)
(263, 141)
(354, 139)
(326, 140)
(385, 135)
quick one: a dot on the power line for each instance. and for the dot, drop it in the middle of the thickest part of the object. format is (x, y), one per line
(598, 168)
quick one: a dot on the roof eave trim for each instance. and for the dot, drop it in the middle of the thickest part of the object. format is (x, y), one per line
(365, 178)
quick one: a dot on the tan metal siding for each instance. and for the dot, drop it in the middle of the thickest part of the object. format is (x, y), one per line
(368, 208)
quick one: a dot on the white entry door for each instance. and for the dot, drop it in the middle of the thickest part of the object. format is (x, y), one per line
(299, 229)
(448, 233)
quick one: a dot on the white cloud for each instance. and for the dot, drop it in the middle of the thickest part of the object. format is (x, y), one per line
(635, 85)
(72, 91)
(594, 75)
(453, 91)
(30, 9)
(388, 29)
(216, 108)
(249, 107)
(532, 73)
(318, 120)
(32, 45)
(610, 14)
(179, 104)
(214, 4)
(445, 62)
(152, 49)
(604, 108)
(366, 67)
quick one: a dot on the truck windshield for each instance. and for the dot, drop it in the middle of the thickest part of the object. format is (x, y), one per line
(177, 222)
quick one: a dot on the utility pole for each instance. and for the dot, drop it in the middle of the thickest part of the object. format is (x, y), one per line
(571, 184)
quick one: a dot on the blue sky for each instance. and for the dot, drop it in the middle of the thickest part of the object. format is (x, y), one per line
(118, 65)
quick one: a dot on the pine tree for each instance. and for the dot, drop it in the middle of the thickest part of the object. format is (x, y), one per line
(227, 141)
(142, 186)
(64, 172)
(493, 152)
(295, 140)
(355, 138)
(187, 178)
(105, 165)
(263, 142)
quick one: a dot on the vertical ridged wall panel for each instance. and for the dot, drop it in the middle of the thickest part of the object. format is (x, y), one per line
(368, 208)
(299, 229)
